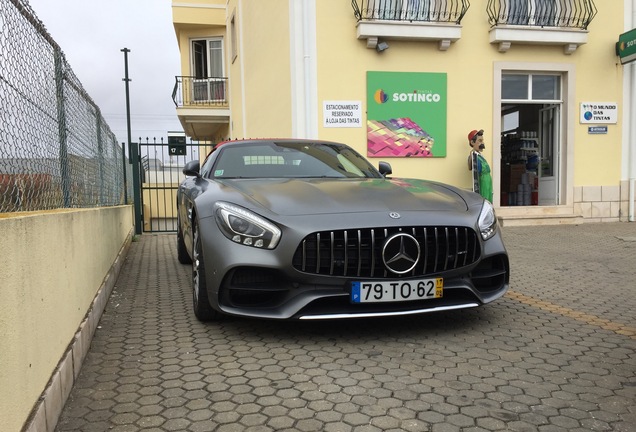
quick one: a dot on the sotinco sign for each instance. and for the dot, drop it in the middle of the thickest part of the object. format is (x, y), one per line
(626, 46)
(406, 114)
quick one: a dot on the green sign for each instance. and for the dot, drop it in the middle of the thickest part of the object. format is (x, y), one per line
(176, 139)
(406, 114)
(626, 46)
(176, 143)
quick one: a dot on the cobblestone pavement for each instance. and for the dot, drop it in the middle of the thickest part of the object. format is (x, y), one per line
(557, 353)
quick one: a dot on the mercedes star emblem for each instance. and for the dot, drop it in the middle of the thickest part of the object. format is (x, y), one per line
(400, 253)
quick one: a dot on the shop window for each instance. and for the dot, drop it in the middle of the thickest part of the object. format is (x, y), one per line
(546, 87)
(514, 87)
(531, 87)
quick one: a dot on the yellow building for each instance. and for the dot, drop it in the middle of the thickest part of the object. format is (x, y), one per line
(406, 80)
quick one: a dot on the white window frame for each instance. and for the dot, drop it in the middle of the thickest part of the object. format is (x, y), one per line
(568, 116)
(209, 88)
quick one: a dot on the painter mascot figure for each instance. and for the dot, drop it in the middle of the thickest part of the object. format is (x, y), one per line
(482, 180)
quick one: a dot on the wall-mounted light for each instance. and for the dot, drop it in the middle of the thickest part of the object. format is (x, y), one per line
(381, 46)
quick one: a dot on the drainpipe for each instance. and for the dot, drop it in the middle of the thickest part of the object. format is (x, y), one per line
(308, 6)
(631, 164)
(306, 64)
(632, 145)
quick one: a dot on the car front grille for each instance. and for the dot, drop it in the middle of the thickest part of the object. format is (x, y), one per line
(358, 252)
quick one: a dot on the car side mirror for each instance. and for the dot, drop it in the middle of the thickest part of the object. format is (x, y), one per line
(385, 168)
(192, 168)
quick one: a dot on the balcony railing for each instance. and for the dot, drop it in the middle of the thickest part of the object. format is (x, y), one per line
(193, 91)
(574, 14)
(540, 22)
(442, 11)
(416, 20)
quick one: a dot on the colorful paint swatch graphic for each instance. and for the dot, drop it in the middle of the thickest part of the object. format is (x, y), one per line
(398, 137)
(406, 114)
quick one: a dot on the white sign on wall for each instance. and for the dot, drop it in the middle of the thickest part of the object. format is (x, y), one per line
(342, 114)
(599, 112)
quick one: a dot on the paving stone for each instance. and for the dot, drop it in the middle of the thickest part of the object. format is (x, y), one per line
(556, 353)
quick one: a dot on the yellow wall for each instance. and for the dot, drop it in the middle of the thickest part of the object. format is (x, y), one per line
(344, 60)
(195, 13)
(260, 75)
(262, 88)
(599, 78)
(53, 263)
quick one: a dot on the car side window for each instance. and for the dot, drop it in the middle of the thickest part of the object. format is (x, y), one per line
(207, 166)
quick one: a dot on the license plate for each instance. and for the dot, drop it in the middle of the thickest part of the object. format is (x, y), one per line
(391, 291)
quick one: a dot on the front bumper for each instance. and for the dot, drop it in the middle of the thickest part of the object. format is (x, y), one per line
(259, 283)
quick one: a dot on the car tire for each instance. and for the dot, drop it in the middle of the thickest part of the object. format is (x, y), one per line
(200, 301)
(182, 252)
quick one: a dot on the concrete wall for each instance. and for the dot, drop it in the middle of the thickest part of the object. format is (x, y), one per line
(602, 203)
(57, 271)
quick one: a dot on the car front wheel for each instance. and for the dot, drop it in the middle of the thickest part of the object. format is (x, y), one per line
(202, 309)
(182, 252)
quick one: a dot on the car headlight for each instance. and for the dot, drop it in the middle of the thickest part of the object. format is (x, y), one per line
(245, 227)
(487, 221)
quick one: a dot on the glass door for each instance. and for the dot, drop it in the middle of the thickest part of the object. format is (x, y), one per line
(208, 83)
(549, 144)
(216, 80)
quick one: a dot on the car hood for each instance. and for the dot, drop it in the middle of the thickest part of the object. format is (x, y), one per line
(296, 197)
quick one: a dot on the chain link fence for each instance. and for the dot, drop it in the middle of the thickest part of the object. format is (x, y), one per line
(56, 149)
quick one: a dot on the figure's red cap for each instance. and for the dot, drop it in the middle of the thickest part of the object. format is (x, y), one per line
(472, 134)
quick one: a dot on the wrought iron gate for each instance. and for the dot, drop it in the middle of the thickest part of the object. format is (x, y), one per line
(160, 172)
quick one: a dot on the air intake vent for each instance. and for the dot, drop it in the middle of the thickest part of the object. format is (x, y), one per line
(358, 252)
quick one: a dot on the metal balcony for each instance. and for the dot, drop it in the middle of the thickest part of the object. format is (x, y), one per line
(577, 14)
(449, 11)
(544, 22)
(427, 20)
(200, 92)
(202, 106)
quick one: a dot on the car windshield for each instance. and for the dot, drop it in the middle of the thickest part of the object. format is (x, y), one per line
(291, 160)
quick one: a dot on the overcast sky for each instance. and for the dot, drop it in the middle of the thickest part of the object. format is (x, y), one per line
(92, 33)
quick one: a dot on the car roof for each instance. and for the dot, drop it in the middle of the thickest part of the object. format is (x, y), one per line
(273, 140)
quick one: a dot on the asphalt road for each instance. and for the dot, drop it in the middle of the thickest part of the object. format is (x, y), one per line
(557, 353)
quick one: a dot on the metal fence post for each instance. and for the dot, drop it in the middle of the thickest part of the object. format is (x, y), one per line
(124, 169)
(61, 127)
(135, 160)
(133, 149)
(100, 158)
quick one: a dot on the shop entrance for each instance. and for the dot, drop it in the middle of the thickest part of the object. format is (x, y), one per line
(530, 140)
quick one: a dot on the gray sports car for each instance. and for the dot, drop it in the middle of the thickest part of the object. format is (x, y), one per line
(303, 229)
